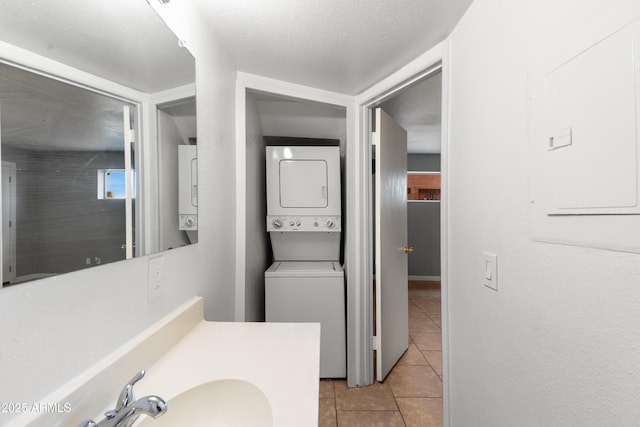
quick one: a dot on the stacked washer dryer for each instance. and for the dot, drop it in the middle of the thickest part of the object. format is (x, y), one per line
(305, 283)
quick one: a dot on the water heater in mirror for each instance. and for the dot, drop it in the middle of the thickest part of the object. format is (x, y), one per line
(187, 187)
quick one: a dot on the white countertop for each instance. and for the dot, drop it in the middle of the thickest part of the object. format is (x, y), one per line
(182, 351)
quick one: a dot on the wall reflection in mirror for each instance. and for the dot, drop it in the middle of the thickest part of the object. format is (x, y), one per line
(73, 190)
(63, 170)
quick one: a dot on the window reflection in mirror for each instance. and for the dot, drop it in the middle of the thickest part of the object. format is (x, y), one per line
(56, 138)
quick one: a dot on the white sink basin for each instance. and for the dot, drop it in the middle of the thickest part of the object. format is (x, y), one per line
(217, 403)
(276, 360)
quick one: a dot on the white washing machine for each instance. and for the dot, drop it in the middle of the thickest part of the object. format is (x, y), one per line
(311, 291)
(306, 282)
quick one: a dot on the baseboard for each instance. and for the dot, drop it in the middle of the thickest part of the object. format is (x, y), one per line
(425, 278)
(421, 278)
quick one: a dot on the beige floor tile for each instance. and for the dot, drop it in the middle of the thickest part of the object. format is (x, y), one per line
(412, 356)
(429, 305)
(424, 289)
(370, 419)
(436, 319)
(435, 360)
(327, 413)
(424, 293)
(417, 389)
(428, 341)
(421, 412)
(415, 312)
(376, 397)
(326, 389)
(421, 326)
(414, 381)
(417, 293)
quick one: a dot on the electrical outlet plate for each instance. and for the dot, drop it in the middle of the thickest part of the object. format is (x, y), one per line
(154, 278)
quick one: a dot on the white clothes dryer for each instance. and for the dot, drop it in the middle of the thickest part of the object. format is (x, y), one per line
(303, 181)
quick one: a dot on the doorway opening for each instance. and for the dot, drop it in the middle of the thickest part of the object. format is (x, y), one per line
(416, 107)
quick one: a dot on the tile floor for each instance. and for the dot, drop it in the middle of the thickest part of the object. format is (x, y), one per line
(411, 395)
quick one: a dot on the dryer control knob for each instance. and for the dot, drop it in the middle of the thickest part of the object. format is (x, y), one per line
(330, 223)
(291, 223)
(298, 223)
(277, 223)
(190, 222)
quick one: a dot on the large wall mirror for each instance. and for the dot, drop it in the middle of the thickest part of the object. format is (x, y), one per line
(93, 173)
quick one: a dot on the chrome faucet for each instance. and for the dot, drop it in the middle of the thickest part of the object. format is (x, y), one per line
(128, 409)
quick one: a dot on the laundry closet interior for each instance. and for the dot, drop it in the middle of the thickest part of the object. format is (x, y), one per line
(278, 121)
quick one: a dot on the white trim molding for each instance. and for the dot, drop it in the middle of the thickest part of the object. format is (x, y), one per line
(444, 234)
(426, 278)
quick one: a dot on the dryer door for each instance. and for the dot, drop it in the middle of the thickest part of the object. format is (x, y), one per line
(303, 183)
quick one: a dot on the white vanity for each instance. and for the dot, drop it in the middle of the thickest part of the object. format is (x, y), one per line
(210, 373)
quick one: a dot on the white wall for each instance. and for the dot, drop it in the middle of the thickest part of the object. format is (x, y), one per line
(557, 345)
(215, 104)
(302, 119)
(53, 329)
(257, 256)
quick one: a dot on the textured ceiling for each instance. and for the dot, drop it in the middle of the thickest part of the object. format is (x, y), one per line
(344, 46)
(418, 109)
(339, 45)
(121, 40)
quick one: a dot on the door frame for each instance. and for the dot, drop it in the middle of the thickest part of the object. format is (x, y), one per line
(11, 167)
(428, 63)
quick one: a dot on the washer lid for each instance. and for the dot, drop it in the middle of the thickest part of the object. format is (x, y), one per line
(305, 269)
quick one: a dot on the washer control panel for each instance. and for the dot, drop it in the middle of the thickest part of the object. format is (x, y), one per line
(303, 223)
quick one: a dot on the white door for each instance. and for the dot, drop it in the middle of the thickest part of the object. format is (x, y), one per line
(392, 310)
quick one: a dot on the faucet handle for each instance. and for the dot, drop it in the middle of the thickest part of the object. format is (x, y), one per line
(88, 423)
(126, 395)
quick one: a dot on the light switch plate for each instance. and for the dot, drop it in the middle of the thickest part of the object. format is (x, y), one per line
(490, 270)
